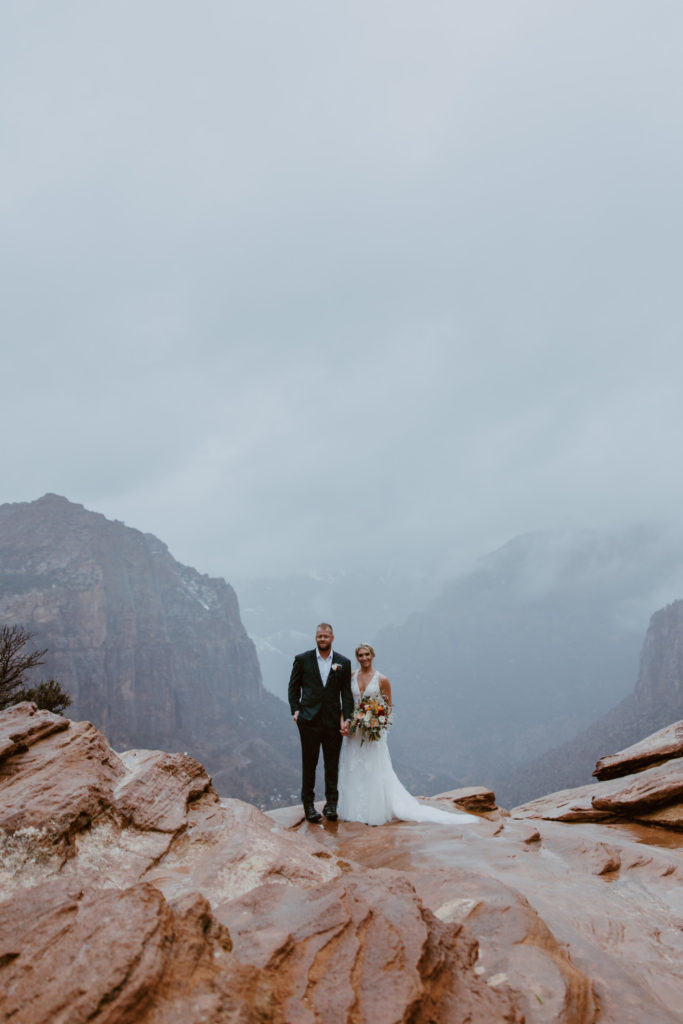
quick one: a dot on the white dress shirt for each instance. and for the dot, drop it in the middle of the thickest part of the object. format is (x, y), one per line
(324, 665)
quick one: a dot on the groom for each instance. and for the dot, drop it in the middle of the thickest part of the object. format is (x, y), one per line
(319, 693)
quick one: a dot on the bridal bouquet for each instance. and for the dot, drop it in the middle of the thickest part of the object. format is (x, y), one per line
(370, 718)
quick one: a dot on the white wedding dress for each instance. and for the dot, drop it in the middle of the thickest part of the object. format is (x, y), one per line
(369, 789)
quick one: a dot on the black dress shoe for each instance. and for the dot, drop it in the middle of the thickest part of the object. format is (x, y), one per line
(330, 812)
(311, 813)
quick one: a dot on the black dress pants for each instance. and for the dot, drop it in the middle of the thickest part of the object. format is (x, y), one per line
(313, 736)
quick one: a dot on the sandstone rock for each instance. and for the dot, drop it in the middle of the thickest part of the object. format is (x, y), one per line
(138, 942)
(69, 795)
(516, 946)
(233, 848)
(158, 789)
(519, 832)
(604, 859)
(641, 792)
(290, 817)
(470, 798)
(23, 724)
(66, 778)
(127, 957)
(660, 746)
(567, 805)
(625, 796)
(669, 816)
(182, 908)
(389, 958)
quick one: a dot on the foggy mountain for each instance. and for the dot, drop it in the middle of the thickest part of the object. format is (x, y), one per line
(281, 614)
(520, 654)
(150, 650)
(655, 702)
(505, 662)
(510, 659)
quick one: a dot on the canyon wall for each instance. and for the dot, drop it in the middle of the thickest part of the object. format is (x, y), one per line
(151, 651)
(656, 700)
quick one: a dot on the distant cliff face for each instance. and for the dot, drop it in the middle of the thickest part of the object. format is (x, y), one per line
(151, 651)
(656, 701)
(659, 689)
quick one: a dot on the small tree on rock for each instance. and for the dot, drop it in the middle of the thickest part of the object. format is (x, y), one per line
(48, 695)
(15, 662)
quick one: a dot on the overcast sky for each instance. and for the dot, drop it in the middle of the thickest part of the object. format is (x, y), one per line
(300, 284)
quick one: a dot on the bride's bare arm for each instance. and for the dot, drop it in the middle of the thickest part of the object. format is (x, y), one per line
(385, 689)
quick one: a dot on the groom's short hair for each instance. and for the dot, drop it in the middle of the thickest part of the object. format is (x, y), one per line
(324, 625)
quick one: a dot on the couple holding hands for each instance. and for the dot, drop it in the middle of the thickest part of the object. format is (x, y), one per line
(360, 783)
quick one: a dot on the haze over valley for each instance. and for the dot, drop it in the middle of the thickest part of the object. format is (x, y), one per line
(366, 313)
(375, 318)
(502, 666)
(504, 662)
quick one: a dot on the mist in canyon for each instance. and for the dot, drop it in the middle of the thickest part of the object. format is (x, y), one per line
(495, 667)
(374, 316)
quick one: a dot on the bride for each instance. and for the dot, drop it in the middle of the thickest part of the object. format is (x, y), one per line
(369, 789)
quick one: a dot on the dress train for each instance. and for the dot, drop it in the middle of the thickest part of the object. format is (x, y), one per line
(370, 790)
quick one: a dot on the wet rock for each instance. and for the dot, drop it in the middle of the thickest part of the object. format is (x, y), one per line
(158, 787)
(364, 948)
(199, 910)
(119, 957)
(642, 792)
(470, 798)
(670, 816)
(230, 848)
(567, 805)
(516, 947)
(660, 746)
(627, 796)
(65, 777)
(24, 724)
(604, 859)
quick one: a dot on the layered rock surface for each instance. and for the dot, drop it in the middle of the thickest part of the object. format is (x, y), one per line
(642, 783)
(129, 891)
(151, 651)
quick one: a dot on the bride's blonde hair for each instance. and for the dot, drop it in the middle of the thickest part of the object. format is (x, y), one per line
(368, 647)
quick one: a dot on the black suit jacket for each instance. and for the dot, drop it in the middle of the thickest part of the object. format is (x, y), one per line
(310, 698)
